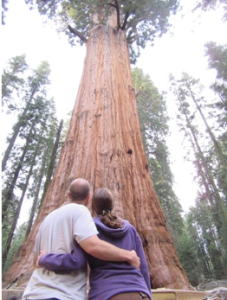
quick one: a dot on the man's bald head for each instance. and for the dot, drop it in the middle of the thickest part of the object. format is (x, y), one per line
(79, 189)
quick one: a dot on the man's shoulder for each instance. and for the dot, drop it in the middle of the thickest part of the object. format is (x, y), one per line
(68, 209)
(72, 206)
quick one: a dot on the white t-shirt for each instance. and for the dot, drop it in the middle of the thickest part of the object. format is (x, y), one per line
(56, 235)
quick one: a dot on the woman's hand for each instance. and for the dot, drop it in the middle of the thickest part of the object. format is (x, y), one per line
(42, 252)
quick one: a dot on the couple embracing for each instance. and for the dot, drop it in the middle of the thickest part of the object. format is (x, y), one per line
(69, 238)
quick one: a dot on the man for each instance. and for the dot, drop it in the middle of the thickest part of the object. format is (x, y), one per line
(56, 235)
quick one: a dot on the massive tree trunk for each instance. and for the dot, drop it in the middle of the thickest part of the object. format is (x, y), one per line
(104, 146)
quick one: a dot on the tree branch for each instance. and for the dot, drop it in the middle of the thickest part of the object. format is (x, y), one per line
(111, 4)
(137, 21)
(125, 20)
(118, 15)
(132, 36)
(131, 39)
(77, 33)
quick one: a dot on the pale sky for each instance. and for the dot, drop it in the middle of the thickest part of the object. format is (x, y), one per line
(180, 50)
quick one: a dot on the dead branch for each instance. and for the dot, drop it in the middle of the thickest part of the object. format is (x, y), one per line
(77, 33)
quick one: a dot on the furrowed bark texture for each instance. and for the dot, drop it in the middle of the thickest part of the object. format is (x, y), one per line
(104, 146)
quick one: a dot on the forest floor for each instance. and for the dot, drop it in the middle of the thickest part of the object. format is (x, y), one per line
(216, 289)
(211, 284)
(217, 294)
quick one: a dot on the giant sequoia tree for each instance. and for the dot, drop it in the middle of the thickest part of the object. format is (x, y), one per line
(104, 143)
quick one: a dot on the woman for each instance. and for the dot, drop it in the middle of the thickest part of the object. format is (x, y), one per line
(109, 280)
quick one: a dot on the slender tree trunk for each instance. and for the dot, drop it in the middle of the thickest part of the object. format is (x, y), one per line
(16, 129)
(35, 201)
(208, 173)
(205, 261)
(36, 196)
(220, 155)
(104, 146)
(199, 164)
(7, 196)
(16, 216)
(210, 195)
(52, 160)
(40, 177)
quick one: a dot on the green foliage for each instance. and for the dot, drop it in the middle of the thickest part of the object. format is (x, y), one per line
(141, 20)
(12, 81)
(208, 219)
(4, 9)
(212, 4)
(217, 59)
(217, 55)
(153, 123)
(187, 254)
(195, 109)
(3, 4)
(53, 158)
(65, 127)
(30, 143)
(210, 250)
(16, 243)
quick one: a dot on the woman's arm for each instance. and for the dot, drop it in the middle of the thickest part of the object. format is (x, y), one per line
(64, 262)
(92, 245)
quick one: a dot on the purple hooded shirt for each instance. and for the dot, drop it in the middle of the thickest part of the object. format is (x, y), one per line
(107, 278)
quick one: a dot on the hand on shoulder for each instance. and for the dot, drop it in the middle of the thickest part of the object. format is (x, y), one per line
(42, 252)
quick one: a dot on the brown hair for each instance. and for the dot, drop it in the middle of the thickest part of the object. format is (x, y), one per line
(102, 204)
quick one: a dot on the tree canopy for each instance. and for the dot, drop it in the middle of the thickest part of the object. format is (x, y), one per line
(4, 9)
(206, 5)
(141, 20)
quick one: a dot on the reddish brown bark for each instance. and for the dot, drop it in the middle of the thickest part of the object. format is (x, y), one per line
(104, 146)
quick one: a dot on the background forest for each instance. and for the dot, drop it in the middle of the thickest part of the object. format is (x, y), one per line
(33, 144)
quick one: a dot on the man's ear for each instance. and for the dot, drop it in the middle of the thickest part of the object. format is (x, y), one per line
(69, 196)
(88, 199)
